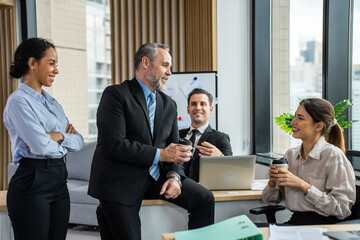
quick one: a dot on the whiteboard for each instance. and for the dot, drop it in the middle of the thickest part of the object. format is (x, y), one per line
(179, 85)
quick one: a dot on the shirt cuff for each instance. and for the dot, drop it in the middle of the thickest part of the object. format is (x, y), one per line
(313, 195)
(157, 157)
(167, 176)
(67, 141)
(66, 138)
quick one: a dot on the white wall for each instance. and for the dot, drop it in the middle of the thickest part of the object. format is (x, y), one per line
(234, 73)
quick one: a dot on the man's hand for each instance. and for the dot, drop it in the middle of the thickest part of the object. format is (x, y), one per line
(175, 153)
(207, 149)
(171, 189)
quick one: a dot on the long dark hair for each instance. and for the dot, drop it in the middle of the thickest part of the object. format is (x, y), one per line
(32, 47)
(322, 110)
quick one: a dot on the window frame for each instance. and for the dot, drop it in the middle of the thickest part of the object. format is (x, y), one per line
(337, 41)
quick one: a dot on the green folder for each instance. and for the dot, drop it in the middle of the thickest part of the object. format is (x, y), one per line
(240, 227)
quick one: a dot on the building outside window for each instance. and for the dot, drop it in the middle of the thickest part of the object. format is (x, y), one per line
(355, 93)
(81, 33)
(98, 56)
(296, 60)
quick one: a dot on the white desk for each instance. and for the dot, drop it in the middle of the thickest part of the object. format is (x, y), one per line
(5, 226)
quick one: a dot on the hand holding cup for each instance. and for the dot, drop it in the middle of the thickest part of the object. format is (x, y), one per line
(273, 172)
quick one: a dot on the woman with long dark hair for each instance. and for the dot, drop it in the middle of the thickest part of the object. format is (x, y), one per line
(319, 186)
(41, 135)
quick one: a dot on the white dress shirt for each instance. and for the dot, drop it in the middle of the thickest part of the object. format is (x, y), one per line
(198, 135)
(331, 175)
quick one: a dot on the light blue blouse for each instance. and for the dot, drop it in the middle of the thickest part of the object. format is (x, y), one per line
(28, 115)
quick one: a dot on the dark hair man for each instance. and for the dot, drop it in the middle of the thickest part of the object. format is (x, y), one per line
(206, 141)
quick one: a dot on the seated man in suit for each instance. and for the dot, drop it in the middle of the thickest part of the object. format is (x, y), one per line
(208, 141)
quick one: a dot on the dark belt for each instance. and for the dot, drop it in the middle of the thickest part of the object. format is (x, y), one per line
(42, 163)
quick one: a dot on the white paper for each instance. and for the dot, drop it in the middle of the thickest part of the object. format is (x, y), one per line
(296, 233)
(184, 122)
(259, 185)
(199, 83)
(172, 90)
(233, 193)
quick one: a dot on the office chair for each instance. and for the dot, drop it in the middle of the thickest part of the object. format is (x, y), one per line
(270, 211)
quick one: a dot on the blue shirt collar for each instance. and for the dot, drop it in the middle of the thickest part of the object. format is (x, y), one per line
(35, 94)
(145, 88)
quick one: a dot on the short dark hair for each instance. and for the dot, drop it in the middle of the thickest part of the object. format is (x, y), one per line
(148, 50)
(32, 47)
(200, 91)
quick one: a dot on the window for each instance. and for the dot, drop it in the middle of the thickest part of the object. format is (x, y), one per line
(99, 61)
(355, 94)
(82, 33)
(296, 60)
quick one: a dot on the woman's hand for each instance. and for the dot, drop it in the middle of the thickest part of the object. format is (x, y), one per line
(57, 136)
(70, 129)
(272, 176)
(284, 177)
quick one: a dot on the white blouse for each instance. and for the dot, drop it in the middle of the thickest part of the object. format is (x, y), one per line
(331, 175)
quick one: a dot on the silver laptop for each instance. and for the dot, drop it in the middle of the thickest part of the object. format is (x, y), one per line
(227, 172)
(344, 235)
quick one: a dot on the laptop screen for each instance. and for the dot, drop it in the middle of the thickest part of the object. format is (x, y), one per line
(227, 172)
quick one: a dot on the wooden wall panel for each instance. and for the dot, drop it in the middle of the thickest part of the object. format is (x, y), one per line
(200, 38)
(7, 85)
(187, 26)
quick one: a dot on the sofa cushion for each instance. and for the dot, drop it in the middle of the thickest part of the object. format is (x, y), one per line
(78, 163)
(11, 170)
(78, 192)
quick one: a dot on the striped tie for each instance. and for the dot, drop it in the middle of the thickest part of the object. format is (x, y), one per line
(154, 169)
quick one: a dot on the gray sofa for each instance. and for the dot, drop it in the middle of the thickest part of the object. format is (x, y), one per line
(83, 207)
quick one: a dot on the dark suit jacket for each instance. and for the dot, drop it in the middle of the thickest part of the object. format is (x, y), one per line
(216, 138)
(125, 149)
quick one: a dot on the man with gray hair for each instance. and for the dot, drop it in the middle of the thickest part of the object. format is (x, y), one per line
(137, 156)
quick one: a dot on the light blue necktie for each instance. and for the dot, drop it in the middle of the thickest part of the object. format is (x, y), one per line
(154, 169)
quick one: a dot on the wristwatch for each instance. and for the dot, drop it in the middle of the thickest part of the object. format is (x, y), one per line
(177, 179)
(308, 190)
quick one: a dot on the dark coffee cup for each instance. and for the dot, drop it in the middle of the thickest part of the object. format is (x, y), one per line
(280, 163)
(185, 142)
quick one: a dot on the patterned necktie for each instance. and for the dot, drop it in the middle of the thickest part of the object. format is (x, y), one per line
(192, 139)
(154, 169)
(151, 108)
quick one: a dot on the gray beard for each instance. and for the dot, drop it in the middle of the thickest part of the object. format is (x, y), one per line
(157, 85)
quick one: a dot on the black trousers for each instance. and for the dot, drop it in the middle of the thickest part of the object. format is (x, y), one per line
(311, 218)
(118, 221)
(38, 200)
